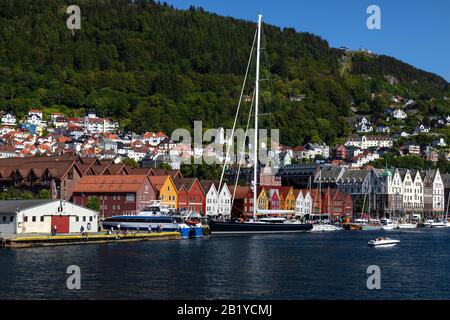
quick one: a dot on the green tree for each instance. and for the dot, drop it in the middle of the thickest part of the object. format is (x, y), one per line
(43, 194)
(130, 162)
(94, 203)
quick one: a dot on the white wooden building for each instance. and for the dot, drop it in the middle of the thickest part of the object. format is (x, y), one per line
(303, 202)
(217, 204)
(39, 216)
(225, 201)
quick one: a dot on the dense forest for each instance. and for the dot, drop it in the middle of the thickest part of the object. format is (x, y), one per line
(157, 68)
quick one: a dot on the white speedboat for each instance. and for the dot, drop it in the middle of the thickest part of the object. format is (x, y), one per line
(383, 242)
(324, 227)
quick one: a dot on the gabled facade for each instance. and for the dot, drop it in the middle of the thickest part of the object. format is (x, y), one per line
(166, 190)
(225, 198)
(303, 203)
(211, 201)
(263, 199)
(274, 199)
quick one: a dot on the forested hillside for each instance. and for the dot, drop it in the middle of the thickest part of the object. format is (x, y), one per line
(157, 68)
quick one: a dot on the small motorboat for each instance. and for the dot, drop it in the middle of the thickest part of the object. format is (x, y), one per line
(388, 224)
(373, 224)
(383, 242)
(428, 223)
(438, 224)
(407, 225)
(325, 227)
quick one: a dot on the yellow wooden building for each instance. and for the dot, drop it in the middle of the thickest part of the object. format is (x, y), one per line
(166, 190)
(263, 199)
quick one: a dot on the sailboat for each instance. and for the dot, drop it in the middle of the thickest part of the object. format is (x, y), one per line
(255, 225)
(405, 224)
(323, 226)
(444, 222)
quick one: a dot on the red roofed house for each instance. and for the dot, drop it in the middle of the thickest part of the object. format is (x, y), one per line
(274, 199)
(118, 194)
(183, 202)
(194, 193)
(243, 200)
(298, 152)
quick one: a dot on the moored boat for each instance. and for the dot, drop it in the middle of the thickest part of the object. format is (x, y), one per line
(325, 227)
(427, 223)
(438, 224)
(388, 224)
(154, 219)
(256, 224)
(373, 224)
(407, 225)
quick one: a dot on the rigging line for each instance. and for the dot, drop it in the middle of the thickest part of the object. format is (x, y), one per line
(270, 81)
(237, 112)
(243, 145)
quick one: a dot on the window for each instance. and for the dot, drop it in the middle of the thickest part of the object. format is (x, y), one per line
(4, 218)
(25, 219)
(77, 219)
(90, 219)
(84, 219)
(130, 197)
(42, 219)
(11, 219)
(33, 219)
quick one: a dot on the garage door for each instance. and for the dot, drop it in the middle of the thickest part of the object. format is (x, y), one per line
(61, 223)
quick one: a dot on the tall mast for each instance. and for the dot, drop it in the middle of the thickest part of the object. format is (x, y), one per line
(255, 166)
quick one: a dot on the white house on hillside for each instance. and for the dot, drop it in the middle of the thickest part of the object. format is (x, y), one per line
(8, 119)
(399, 114)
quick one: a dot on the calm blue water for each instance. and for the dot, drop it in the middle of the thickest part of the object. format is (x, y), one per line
(297, 266)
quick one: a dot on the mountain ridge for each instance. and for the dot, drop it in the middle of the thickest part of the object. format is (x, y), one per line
(155, 67)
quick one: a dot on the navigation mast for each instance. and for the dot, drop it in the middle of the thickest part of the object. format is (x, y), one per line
(255, 166)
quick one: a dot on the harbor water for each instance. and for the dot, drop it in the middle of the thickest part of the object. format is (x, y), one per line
(290, 266)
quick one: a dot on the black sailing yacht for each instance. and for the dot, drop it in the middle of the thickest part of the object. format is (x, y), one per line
(255, 225)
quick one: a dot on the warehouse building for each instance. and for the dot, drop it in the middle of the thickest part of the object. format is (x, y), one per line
(39, 216)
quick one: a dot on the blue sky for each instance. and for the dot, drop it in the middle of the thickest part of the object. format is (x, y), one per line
(414, 31)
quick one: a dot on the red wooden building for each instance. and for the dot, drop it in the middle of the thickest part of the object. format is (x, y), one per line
(192, 194)
(243, 201)
(274, 199)
(331, 201)
(117, 193)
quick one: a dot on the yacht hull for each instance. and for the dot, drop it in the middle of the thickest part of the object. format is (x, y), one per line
(407, 226)
(218, 228)
(325, 228)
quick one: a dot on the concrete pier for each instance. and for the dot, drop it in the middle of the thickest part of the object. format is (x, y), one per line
(28, 241)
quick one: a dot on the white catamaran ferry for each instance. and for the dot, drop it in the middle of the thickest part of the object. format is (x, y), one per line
(154, 218)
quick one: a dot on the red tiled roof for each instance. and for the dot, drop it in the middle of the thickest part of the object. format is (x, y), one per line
(110, 183)
(241, 191)
(157, 181)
